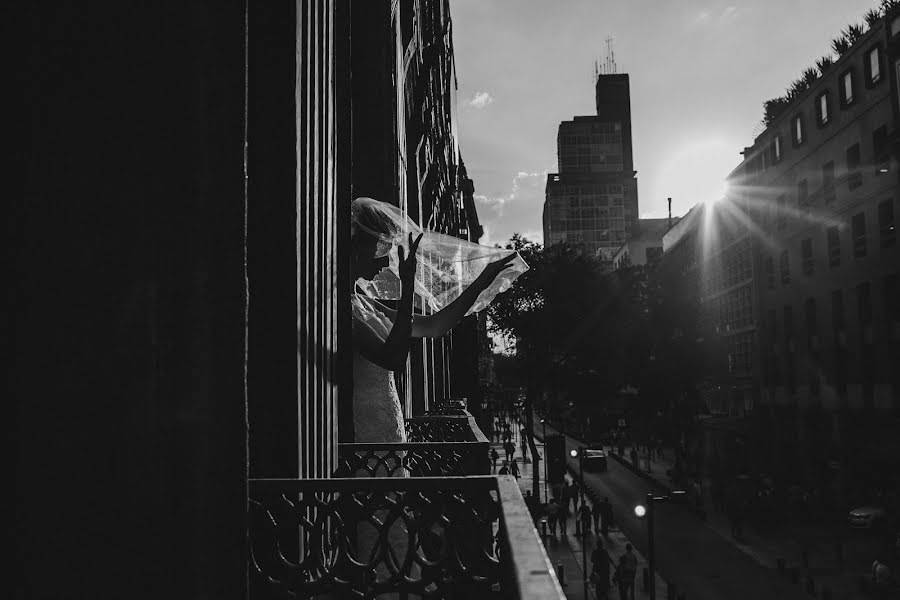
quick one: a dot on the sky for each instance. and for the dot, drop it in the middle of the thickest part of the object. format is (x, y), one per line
(700, 72)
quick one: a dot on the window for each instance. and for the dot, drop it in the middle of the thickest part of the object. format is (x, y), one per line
(864, 303)
(812, 327)
(770, 272)
(785, 266)
(797, 130)
(837, 310)
(803, 193)
(887, 233)
(776, 149)
(822, 109)
(781, 216)
(828, 182)
(806, 254)
(880, 150)
(873, 66)
(847, 88)
(834, 247)
(854, 177)
(859, 235)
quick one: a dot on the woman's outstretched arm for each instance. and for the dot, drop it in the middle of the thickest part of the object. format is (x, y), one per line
(444, 320)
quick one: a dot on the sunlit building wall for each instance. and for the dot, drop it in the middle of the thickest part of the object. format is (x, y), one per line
(821, 187)
(592, 200)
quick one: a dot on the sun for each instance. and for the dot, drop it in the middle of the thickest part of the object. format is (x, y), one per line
(697, 170)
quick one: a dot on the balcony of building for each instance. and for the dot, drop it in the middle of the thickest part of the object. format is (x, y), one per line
(415, 519)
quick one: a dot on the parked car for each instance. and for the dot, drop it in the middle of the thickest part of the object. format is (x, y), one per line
(595, 458)
(866, 516)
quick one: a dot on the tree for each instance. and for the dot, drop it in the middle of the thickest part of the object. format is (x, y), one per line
(579, 333)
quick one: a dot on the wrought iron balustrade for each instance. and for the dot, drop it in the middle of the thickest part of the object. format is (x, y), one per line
(444, 428)
(439, 446)
(414, 459)
(443, 537)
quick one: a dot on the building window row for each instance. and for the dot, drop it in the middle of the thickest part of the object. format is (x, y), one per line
(847, 97)
(887, 235)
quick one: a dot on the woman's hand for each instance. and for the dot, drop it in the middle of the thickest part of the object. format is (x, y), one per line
(407, 267)
(498, 266)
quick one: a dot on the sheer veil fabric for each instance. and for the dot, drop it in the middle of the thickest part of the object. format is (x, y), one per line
(445, 265)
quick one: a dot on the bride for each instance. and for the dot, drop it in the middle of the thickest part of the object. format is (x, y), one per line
(452, 277)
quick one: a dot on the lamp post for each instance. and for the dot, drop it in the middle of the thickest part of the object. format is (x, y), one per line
(544, 441)
(642, 511)
(579, 454)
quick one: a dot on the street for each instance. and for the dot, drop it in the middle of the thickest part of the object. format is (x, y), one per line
(689, 553)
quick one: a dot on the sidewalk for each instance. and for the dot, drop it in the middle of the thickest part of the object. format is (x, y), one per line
(565, 550)
(818, 571)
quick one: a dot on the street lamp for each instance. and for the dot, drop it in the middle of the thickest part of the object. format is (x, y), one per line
(642, 511)
(544, 441)
(579, 454)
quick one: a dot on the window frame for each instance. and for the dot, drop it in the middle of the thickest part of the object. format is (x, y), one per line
(784, 267)
(777, 149)
(798, 130)
(807, 262)
(833, 241)
(846, 101)
(823, 112)
(854, 177)
(858, 235)
(887, 228)
(873, 78)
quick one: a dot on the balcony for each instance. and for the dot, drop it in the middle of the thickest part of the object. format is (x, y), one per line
(440, 445)
(420, 519)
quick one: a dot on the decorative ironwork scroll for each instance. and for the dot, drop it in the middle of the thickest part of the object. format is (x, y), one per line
(358, 538)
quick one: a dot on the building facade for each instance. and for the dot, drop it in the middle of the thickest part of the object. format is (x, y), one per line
(646, 246)
(820, 186)
(592, 201)
(408, 154)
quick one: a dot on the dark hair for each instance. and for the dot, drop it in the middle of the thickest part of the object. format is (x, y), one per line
(628, 547)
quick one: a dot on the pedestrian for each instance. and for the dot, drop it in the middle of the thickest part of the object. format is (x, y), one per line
(606, 514)
(510, 449)
(494, 458)
(553, 510)
(529, 502)
(659, 448)
(584, 513)
(504, 470)
(563, 519)
(524, 450)
(514, 468)
(634, 457)
(600, 571)
(566, 496)
(625, 574)
(595, 513)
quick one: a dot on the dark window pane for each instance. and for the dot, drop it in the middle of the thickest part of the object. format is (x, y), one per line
(859, 235)
(834, 247)
(806, 254)
(887, 232)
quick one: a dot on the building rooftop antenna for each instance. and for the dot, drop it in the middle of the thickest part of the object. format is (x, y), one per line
(609, 61)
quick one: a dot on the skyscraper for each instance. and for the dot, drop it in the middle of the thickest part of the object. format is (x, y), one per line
(592, 200)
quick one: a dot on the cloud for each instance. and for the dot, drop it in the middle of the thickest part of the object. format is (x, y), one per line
(726, 15)
(480, 100)
(518, 211)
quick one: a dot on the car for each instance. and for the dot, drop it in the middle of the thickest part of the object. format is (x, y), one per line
(866, 516)
(595, 458)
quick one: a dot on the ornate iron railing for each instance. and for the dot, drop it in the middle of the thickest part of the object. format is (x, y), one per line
(416, 459)
(444, 428)
(445, 537)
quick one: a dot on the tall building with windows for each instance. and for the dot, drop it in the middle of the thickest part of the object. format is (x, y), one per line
(592, 200)
(821, 187)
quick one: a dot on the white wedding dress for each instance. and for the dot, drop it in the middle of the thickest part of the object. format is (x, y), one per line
(377, 415)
